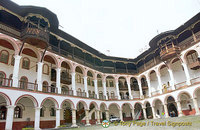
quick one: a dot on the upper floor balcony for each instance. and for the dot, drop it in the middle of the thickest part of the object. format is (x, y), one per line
(35, 35)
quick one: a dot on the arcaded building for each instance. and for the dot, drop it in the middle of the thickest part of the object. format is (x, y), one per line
(49, 78)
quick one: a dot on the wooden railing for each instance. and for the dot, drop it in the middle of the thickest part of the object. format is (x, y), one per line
(81, 94)
(157, 92)
(5, 82)
(28, 86)
(102, 97)
(49, 89)
(195, 80)
(68, 92)
(179, 85)
(112, 97)
(94, 96)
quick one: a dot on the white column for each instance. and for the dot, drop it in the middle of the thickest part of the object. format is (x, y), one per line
(107, 115)
(98, 117)
(57, 117)
(149, 85)
(85, 86)
(39, 75)
(16, 70)
(120, 115)
(133, 113)
(73, 83)
(180, 113)
(153, 112)
(159, 81)
(187, 75)
(172, 79)
(58, 80)
(117, 89)
(129, 89)
(96, 88)
(74, 118)
(87, 118)
(196, 106)
(37, 118)
(144, 112)
(140, 88)
(9, 117)
(166, 111)
(104, 89)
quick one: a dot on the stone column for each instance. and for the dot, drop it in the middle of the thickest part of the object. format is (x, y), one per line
(74, 118)
(39, 75)
(16, 71)
(87, 118)
(9, 117)
(187, 75)
(140, 88)
(85, 86)
(120, 115)
(96, 88)
(144, 112)
(172, 78)
(37, 118)
(154, 113)
(159, 81)
(57, 117)
(196, 106)
(129, 88)
(107, 115)
(166, 111)
(73, 83)
(104, 89)
(58, 80)
(180, 113)
(133, 113)
(149, 85)
(117, 89)
(98, 117)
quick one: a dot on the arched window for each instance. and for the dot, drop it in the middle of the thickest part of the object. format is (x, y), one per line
(26, 63)
(4, 56)
(112, 94)
(23, 82)
(2, 78)
(101, 95)
(64, 90)
(89, 92)
(46, 69)
(18, 112)
(52, 112)
(3, 111)
(78, 78)
(79, 90)
(53, 88)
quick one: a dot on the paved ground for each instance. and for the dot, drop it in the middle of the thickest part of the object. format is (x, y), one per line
(193, 123)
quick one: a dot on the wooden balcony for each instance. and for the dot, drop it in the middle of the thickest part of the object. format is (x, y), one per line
(35, 36)
(195, 65)
(49, 89)
(168, 53)
(28, 86)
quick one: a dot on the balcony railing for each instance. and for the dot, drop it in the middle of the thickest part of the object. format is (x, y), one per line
(102, 97)
(68, 92)
(157, 92)
(81, 94)
(28, 86)
(49, 89)
(195, 65)
(180, 85)
(112, 97)
(5, 82)
(167, 89)
(94, 96)
(195, 80)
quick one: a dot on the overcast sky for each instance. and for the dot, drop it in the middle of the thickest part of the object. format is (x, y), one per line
(121, 26)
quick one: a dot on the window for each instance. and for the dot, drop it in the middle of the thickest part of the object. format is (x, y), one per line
(99, 83)
(45, 86)
(46, 69)
(88, 81)
(2, 78)
(25, 63)
(190, 107)
(64, 90)
(191, 58)
(111, 83)
(18, 112)
(12, 60)
(4, 56)
(92, 83)
(52, 112)
(3, 111)
(42, 112)
(23, 82)
(78, 78)
(112, 95)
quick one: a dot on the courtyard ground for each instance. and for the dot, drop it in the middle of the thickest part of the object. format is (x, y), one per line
(193, 123)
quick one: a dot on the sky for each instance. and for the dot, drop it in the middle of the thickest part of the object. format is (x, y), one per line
(120, 28)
